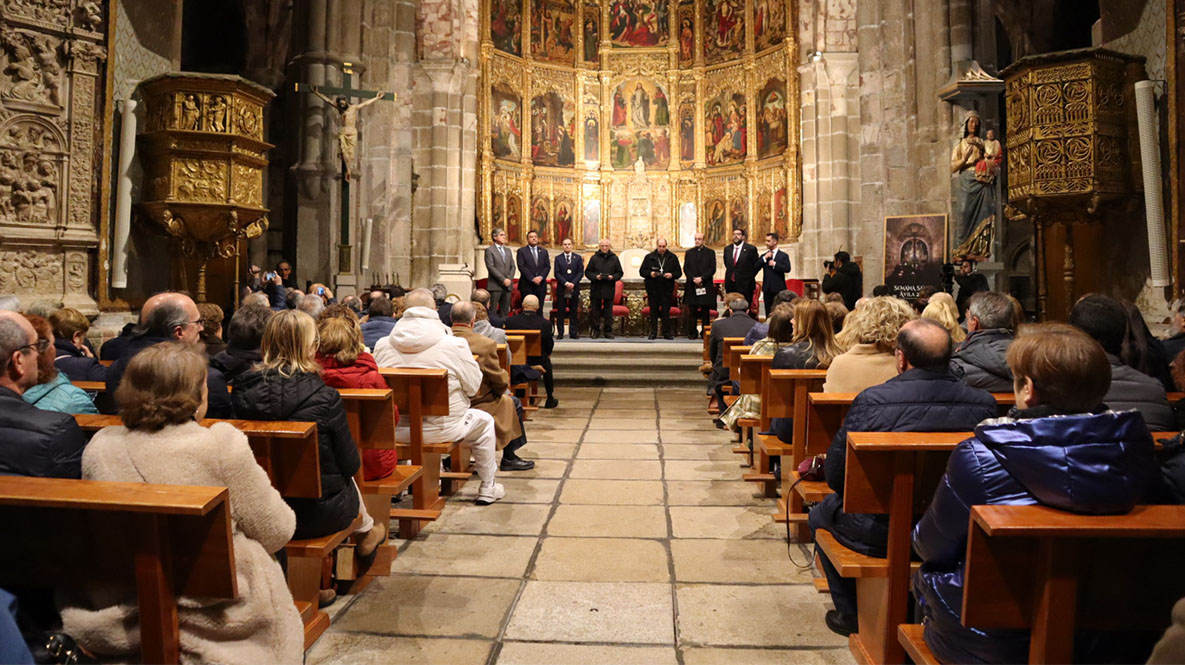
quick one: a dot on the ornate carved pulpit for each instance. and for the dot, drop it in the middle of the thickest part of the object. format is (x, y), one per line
(1073, 162)
(204, 156)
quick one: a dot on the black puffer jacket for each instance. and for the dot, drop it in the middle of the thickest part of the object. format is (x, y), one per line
(1132, 389)
(848, 282)
(234, 362)
(304, 397)
(75, 364)
(981, 357)
(44, 444)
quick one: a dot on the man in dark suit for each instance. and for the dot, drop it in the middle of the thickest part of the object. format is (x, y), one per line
(774, 265)
(660, 270)
(569, 270)
(737, 324)
(699, 266)
(530, 319)
(741, 264)
(500, 266)
(604, 271)
(533, 267)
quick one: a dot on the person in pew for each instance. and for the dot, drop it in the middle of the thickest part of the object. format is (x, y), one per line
(162, 395)
(53, 391)
(1104, 319)
(923, 397)
(212, 331)
(113, 348)
(256, 298)
(443, 307)
(244, 336)
(483, 297)
(839, 314)
(941, 308)
(760, 330)
(981, 356)
(781, 335)
(71, 354)
(346, 364)
(869, 338)
(166, 317)
(1058, 448)
(736, 324)
(492, 397)
(287, 385)
(379, 321)
(530, 319)
(36, 442)
(483, 327)
(1142, 350)
(813, 347)
(421, 340)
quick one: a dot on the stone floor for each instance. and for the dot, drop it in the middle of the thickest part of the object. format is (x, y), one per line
(632, 541)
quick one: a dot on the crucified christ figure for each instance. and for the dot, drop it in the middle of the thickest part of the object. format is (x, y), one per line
(347, 135)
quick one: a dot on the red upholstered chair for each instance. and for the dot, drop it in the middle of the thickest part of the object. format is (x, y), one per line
(516, 299)
(756, 296)
(620, 311)
(552, 286)
(796, 285)
(676, 312)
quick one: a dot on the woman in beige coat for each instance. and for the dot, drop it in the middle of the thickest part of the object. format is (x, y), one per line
(869, 337)
(162, 393)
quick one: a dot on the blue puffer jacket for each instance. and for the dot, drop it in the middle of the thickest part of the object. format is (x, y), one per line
(1086, 463)
(376, 328)
(60, 395)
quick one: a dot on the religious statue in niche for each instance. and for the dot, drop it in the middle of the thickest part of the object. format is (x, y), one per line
(540, 218)
(552, 130)
(764, 219)
(191, 113)
(505, 22)
(552, 34)
(641, 126)
(726, 129)
(769, 22)
(347, 134)
(563, 220)
(686, 33)
(506, 120)
(592, 33)
(738, 216)
(715, 234)
(724, 30)
(592, 139)
(592, 222)
(687, 133)
(975, 163)
(771, 119)
(638, 22)
(781, 217)
(514, 224)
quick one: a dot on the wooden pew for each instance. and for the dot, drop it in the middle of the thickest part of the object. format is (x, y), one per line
(164, 541)
(788, 399)
(420, 392)
(91, 386)
(754, 379)
(532, 346)
(517, 345)
(732, 361)
(1053, 572)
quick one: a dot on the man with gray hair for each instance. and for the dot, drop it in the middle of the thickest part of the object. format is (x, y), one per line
(981, 356)
(737, 324)
(312, 305)
(444, 308)
(38, 443)
(421, 340)
(10, 304)
(257, 298)
(501, 267)
(530, 319)
(483, 298)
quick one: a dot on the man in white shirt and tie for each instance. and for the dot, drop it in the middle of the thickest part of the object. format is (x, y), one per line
(533, 268)
(500, 266)
(569, 270)
(774, 265)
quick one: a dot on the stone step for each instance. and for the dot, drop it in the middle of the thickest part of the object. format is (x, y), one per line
(632, 362)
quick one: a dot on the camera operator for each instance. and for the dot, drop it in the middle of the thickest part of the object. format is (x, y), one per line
(844, 277)
(970, 283)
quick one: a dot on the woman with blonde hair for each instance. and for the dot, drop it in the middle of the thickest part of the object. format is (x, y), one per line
(814, 347)
(287, 385)
(780, 335)
(870, 337)
(942, 309)
(161, 397)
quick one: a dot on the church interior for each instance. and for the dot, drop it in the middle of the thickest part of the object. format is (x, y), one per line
(841, 282)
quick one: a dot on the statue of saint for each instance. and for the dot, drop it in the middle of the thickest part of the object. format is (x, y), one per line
(347, 135)
(975, 192)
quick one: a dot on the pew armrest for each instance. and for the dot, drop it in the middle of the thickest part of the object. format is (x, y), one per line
(848, 562)
(910, 637)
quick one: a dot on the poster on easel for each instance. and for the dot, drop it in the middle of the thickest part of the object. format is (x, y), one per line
(915, 249)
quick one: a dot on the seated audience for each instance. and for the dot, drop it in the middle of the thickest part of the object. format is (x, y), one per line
(53, 391)
(161, 397)
(923, 397)
(869, 337)
(781, 335)
(761, 330)
(354, 304)
(421, 340)
(882, 290)
(293, 298)
(839, 314)
(286, 385)
(166, 317)
(311, 304)
(259, 299)
(941, 308)
(1057, 449)
(244, 335)
(735, 322)
(482, 326)
(482, 297)
(10, 304)
(989, 333)
(72, 355)
(530, 319)
(443, 306)
(379, 321)
(35, 442)
(493, 397)
(113, 348)
(346, 364)
(813, 347)
(211, 335)
(1141, 350)
(1104, 319)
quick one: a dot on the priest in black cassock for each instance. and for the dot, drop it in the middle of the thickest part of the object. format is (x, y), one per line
(660, 270)
(699, 265)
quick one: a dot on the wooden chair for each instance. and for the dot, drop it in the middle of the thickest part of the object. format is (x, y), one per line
(420, 392)
(1053, 572)
(164, 541)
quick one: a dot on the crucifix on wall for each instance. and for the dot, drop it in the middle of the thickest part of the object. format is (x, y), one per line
(347, 140)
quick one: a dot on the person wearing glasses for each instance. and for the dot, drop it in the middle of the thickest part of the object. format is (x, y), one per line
(36, 442)
(171, 317)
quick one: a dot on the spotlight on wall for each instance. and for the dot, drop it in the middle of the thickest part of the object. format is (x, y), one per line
(815, 56)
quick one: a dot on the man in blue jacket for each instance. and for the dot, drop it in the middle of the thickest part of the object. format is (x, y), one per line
(533, 267)
(569, 270)
(379, 321)
(923, 397)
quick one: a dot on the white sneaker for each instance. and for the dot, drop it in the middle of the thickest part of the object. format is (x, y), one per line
(489, 494)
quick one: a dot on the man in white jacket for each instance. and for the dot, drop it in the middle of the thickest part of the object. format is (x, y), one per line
(419, 339)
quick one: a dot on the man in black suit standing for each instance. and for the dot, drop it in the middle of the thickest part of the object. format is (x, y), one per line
(533, 267)
(699, 265)
(741, 264)
(774, 265)
(660, 270)
(569, 270)
(604, 271)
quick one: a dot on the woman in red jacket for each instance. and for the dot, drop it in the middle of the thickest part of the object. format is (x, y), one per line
(346, 364)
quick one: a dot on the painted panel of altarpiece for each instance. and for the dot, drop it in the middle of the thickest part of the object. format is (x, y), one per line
(553, 30)
(638, 23)
(506, 26)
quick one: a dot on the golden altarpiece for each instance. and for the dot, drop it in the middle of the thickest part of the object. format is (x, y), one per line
(633, 121)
